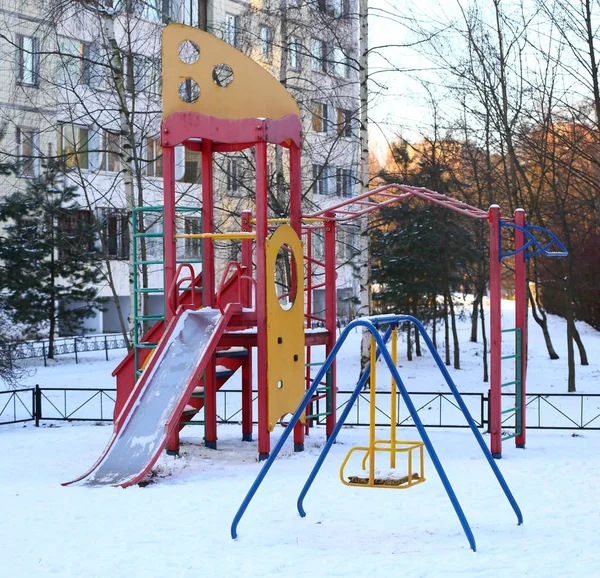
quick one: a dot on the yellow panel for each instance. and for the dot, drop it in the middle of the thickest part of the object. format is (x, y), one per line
(285, 332)
(252, 93)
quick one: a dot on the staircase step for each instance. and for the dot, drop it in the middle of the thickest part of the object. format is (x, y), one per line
(233, 352)
(223, 371)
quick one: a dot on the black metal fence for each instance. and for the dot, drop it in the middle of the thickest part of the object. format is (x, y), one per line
(573, 411)
(67, 345)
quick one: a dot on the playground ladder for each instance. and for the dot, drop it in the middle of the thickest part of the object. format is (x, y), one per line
(139, 319)
(517, 382)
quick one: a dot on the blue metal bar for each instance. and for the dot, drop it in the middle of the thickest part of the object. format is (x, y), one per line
(413, 412)
(371, 324)
(305, 401)
(531, 240)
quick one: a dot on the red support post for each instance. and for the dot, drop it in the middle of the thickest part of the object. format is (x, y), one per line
(308, 320)
(521, 321)
(264, 438)
(247, 302)
(170, 247)
(247, 259)
(330, 312)
(208, 291)
(295, 189)
(247, 398)
(495, 401)
(208, 252)
(296, 224)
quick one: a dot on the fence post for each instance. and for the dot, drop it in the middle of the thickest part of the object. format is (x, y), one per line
(44, 354)
(37, 405)
(106, 347)
(75, 349)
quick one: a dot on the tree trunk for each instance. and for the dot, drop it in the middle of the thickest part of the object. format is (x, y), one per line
(434, 323)
(446, 329)
(454, 334)
(582, 352)
(363, 174)
(418, 351)
(474, 316)
(116, 64)
(409, 356)
(539, 315)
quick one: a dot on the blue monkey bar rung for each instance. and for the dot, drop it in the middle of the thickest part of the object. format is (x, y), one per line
(531, 240)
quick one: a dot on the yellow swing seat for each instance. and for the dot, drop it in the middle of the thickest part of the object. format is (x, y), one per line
(390, 478)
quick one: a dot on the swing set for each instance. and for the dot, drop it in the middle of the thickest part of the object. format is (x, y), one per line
(379, 348)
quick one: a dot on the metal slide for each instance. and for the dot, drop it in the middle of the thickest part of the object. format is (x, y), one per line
(155, 405)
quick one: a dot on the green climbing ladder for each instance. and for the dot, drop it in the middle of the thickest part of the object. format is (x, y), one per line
(517, 383)
(322, 390)
(140, 261)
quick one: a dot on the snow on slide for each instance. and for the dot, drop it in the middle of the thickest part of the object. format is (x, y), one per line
(154, 406)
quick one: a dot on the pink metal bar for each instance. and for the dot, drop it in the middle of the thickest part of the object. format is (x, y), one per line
(495, 333)
(264, 441)
(330, 314)
(521, 320)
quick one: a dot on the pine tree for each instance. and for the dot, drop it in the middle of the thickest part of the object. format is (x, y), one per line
(48, 259)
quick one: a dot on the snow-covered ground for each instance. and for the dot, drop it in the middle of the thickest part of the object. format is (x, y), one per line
(179, 526)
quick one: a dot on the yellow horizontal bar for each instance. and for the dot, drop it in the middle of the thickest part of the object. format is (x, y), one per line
(304, 220)
(218, 236)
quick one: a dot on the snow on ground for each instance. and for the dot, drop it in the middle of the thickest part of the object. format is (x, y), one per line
(179, 525)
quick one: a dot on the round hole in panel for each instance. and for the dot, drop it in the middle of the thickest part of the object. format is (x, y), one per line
(188, 52)
(189, 91)
(285, 277)
(222, 75)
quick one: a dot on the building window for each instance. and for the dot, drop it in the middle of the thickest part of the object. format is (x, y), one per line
(318, 245)
(344, 122)
(193, 167)
(142, 74)
(319, 55)
(154, 166)
(76, 229)
(192, 246)
(340, 8)
(115, 229)
(321, 118)
(27, 152)
(70, 68)
(28, 60)
(338, 63)
(343, 182)
(92, 71)
(266, 43)
(321, 180)
(231, 30)
(73, 145)
(346, 249)
(294, 53)
(234, 175)
(111, 156)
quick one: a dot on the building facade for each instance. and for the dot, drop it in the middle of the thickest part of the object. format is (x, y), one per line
(83, 85)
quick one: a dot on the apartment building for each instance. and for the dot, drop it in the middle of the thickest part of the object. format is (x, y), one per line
(82, 83)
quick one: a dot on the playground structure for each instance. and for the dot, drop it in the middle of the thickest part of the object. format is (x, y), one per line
(373, 324)
(215, 99)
